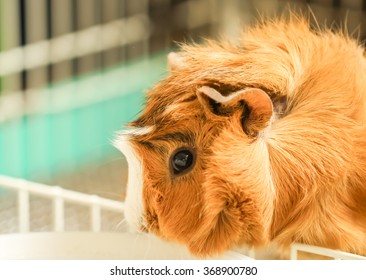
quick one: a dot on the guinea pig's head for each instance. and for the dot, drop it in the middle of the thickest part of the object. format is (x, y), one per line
(199, 170)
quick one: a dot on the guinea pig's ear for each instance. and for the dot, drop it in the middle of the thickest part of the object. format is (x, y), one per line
(254, 103)
(175, 61)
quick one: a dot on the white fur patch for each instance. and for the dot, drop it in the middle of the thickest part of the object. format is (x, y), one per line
(218, 97)
(264, 134)
(137, 131)
(134, 206)
(175, 61)
(279, 109)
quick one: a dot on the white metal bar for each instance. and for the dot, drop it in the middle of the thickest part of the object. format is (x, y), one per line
(67, 195)
(96, 217)
(58, 211)
(12, 105)
(336, 254)
(23, 210)
(77, 44)
(251, 253)
(293, 252)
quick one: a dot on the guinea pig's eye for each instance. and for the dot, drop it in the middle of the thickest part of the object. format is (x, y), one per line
(182, 161)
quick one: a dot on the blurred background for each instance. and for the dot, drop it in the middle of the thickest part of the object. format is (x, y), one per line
(73, 72)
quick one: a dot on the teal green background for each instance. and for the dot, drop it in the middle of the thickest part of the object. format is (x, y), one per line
(51, 142)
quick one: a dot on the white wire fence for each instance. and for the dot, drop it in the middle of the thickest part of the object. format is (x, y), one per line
(59, 197)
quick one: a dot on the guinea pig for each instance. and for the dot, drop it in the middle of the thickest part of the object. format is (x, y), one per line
(260, 142)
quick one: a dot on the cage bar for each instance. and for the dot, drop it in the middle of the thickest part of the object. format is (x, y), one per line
(58, 211)
(335, 254)
(23, 210)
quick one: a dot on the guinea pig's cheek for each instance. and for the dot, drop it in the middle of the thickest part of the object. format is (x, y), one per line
(178, 219)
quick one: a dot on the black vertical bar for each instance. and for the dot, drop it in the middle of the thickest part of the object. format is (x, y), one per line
(337, 3)
(122, 15)
(363, 5)
(49, 36)
(99, 20)
(22, 39)
(74, 26)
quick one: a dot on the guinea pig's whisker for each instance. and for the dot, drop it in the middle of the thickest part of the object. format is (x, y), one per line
(148, 247)
(148, 227)
(121, 224)
(112, 160)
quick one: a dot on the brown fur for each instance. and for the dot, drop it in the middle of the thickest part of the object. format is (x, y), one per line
(303, 179)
